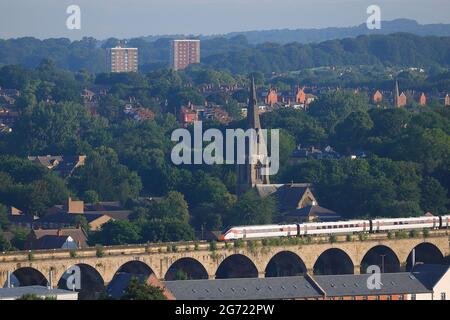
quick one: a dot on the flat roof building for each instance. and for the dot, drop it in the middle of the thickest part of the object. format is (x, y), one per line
(121, 59)
(39, 291)
(183, 53)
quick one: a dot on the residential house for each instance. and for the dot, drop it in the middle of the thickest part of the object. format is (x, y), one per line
(190, 113)
(377, 97)
(43, 239)
(436, 278)
(19, 219)
(63, 165)
(423, 100)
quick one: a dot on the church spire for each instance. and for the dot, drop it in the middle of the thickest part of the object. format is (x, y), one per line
(396, 95)
(252, 108)
(250, 174)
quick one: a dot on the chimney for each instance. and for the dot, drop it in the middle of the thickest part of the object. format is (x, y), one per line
(59, 233)
(75, 207)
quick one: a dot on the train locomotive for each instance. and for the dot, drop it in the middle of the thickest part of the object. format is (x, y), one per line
(335, 228)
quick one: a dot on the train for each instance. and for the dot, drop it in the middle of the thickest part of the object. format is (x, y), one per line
(335, 228)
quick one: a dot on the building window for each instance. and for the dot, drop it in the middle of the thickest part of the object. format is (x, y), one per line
(400, 297)
(413, 296)
(443, 296)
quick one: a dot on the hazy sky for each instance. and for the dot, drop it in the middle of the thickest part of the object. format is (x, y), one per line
(131, 18)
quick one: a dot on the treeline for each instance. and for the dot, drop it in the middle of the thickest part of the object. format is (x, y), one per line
(237, 55)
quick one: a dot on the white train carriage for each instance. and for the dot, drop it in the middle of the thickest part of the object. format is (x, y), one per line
(445, 222)
(405, 224)
(258, 232)
(338, 227)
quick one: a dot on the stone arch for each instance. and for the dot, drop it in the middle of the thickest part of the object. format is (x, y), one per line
(186, 269)
(285, 264)
(135, 267)
(425, 252)
(334, 261)
(27, 276)
(90, 283)
(383, 257)
(236, 266)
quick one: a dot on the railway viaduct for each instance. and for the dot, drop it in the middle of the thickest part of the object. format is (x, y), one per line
(205, 260)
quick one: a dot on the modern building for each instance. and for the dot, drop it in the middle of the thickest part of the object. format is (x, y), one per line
(121, 59)
(39, 291)
(183, 53)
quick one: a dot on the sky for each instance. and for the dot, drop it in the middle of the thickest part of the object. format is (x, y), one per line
(133, 18)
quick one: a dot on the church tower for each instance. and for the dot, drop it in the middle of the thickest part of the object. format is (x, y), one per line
(396, 95)
(250, 173)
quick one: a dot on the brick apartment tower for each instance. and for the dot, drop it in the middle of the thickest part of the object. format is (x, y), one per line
(120, 59)
(447, 100)
(183, 53)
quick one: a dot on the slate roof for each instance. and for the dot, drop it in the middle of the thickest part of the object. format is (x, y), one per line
(430, 274)
(243, 289)
(76, 234)
(17, 292)
(356, 285)
(51, 242)
(288, 195)
(322, 213)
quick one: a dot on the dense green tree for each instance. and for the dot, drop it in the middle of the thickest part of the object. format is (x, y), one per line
(165, 231)
(334, 107)
(434, 197)
(251, 209)
(4, 222)
(352, 132)
(104, 174)
(116, 233)
(138, 290)
(5, 245)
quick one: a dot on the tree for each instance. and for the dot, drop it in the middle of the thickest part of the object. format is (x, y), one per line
(251, 209)
(5, 245)
(4, 222)
(335, 107)
(137, 290)
(104, 174)
(433, 196)
(116, 233)
(166, 231)
(352, 132)
(172, 207)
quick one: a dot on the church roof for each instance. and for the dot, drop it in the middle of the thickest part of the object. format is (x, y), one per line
(288, 195)
(322, 213)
